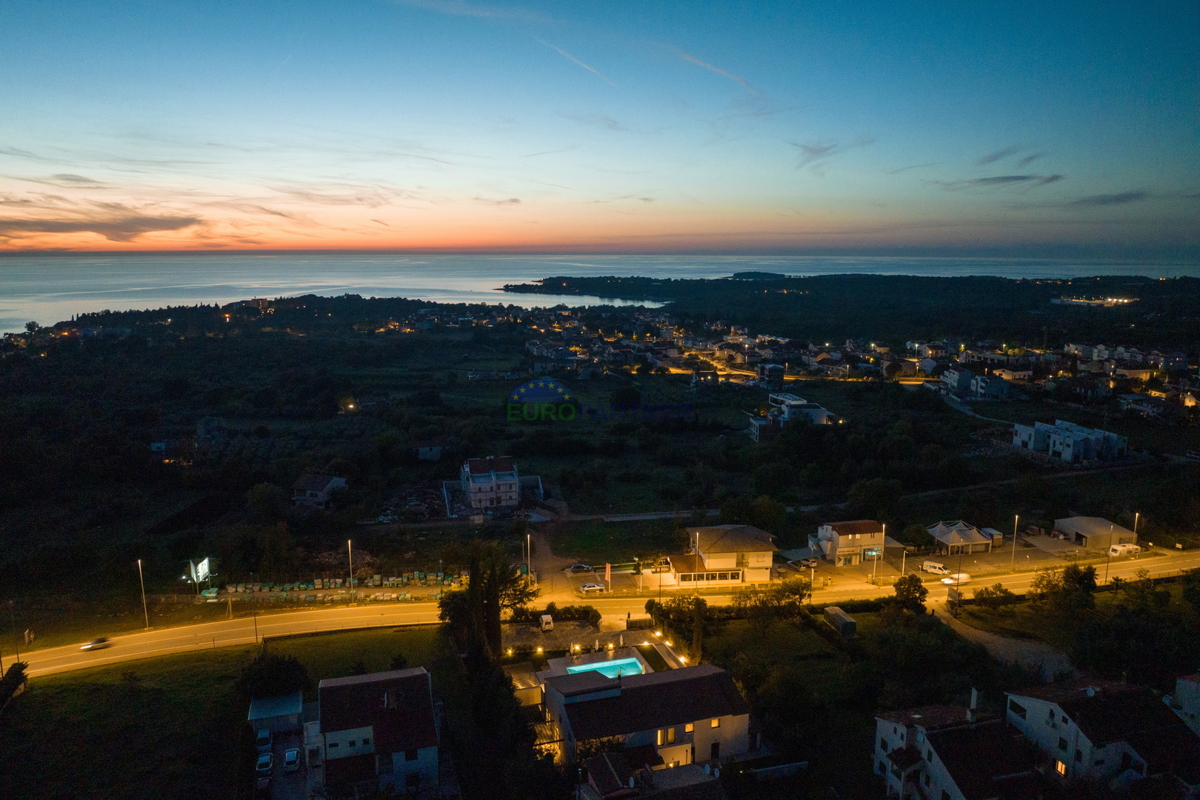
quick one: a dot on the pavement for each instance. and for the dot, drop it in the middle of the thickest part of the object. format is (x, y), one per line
(834, 584)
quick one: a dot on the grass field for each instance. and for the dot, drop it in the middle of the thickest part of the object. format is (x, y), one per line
(1025, 621)
(596, 542)
(171, 727)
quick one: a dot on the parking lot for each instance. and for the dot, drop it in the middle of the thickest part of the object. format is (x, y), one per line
(285, 785)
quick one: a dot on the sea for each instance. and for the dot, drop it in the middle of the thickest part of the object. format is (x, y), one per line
(51, 288)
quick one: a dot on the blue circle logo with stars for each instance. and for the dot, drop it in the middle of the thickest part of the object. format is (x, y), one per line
(541, 390)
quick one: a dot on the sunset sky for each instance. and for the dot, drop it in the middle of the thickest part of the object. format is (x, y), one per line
(1047, 127)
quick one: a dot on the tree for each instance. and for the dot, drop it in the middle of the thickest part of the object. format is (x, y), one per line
(495, 584)
(398, 662)
(875, 498)
(995, 597)
(699, 616)
(272, 675)
(910, 593)
(1065, 589)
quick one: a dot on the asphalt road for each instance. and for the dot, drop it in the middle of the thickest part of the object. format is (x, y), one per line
(245, 631)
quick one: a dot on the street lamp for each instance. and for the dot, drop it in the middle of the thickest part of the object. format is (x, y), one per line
(142, 581)
(350, 558)
(1136, 514)
(1016, 518)
(13, 616)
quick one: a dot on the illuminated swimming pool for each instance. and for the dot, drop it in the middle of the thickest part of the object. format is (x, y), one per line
(610, 669)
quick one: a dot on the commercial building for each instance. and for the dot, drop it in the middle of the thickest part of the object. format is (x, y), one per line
(1094, 533)
(724, 554)
(849, 543)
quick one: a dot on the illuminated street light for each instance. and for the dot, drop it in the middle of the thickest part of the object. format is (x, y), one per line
(141, 580)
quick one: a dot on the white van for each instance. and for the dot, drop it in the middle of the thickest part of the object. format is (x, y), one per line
(1124, 549)
(547, 622)
(935, 568)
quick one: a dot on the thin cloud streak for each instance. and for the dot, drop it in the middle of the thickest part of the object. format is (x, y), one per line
(115, 229)
(1100, 200)
(570, 57)
(718, 70)
(991, 158)
(458, 8)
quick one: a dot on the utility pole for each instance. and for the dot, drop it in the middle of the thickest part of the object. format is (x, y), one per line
(350, 557)
(142, 581)
(13, 617)
(1016, 518)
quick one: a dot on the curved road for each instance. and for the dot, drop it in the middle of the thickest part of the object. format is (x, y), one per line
(249, 630)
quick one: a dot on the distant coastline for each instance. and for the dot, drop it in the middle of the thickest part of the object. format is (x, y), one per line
(48, 288)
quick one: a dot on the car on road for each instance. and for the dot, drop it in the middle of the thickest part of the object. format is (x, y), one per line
(956, 579)
(592, 588)
(263, 740)
(264, 765)
(291, 760)
(579, 569)
(97, 644)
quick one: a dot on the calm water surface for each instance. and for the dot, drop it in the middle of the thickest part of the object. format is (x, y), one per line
(49, 289)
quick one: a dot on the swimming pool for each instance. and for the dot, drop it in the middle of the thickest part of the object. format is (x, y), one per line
(610, 669)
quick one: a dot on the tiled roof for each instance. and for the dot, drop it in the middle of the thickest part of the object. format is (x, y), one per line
(929, 717)
(856, 526)
(312, 483)
(656, 700)
(986, 760)
(398, 704)
(482, 466)
(610, 773)
(733, 539)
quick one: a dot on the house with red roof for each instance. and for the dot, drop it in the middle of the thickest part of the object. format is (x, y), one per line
(379, 732)
(658, 719)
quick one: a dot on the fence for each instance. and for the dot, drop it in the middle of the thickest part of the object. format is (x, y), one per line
(780, 771)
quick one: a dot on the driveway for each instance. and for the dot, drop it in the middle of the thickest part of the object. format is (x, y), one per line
(1039, 656)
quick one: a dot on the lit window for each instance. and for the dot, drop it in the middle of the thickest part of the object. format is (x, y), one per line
(689, 728)
(1060, 768)
(662, 737)
(716, 723)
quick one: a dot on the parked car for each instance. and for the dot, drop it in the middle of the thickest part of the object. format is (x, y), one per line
(1124, 549)
(808, 563)
(956, 579)
(97, 644)
(935, 568)
(291, 760)
(263, 740)
(592, 588)
(578, 569)
(262, 788)
(264, 765)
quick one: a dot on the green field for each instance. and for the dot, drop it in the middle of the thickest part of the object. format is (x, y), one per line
(597, 542)
(171, 727)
